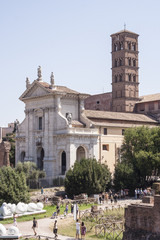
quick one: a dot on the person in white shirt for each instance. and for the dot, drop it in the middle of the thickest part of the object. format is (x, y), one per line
(77, 229)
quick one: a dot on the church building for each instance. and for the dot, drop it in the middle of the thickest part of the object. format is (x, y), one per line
(62, 125)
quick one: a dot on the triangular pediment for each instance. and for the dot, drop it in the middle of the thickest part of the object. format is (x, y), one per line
(35, 90)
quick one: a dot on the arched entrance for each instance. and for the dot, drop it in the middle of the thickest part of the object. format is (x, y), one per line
(80, 153)
(22, 156)
(63, 163)
(40, 156)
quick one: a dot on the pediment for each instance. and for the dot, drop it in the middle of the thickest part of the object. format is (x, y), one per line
(35, 91)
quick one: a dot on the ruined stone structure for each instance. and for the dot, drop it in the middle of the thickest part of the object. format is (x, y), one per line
(4, 154)
(142, 221)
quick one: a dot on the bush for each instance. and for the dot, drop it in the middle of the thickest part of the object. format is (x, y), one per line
(87, 176)
(13, 188)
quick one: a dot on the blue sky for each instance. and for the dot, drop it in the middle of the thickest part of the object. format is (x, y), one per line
(72, 39)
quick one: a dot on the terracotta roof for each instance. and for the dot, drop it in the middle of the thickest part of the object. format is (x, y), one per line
(77, 123)
(118, 116)
(58, 88)
(124, 31)
(149, 98)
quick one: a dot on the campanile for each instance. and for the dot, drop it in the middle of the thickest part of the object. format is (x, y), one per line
(125, 84)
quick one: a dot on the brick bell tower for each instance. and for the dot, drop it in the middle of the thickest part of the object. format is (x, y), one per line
(125, 90)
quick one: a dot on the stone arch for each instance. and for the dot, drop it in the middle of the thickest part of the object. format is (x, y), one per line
(23, 154)
(80, 153)
(40, 156)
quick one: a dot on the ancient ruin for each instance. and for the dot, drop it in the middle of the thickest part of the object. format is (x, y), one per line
(142, 221)
(4, 153)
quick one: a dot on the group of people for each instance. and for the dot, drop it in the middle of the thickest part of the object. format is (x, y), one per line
(80, 229)
(139, 192)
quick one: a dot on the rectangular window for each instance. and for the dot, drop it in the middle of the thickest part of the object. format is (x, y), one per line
(105, 131)
(40, 123)
(105, 147)
(123, 131)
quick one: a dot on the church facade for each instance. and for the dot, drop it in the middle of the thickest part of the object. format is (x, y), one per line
(62, 125)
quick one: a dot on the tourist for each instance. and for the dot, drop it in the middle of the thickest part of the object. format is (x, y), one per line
(72, 207)
(106, 197)
(83, 231)
(35, 225)
(66, 210)
(55, 229)
(77, 229)
(111, 198)
(58, 209)
(14, 220)
(100, 199)
(135, 192)
(115, 198)
(42, 191)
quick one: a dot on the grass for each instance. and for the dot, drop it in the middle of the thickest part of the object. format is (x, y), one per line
(49, 212)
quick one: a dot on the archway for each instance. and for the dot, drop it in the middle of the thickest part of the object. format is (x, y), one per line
(80, 153)
(63, 163)
(22, 156)
(40, 156)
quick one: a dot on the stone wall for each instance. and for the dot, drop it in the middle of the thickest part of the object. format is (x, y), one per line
(142, 221)
(4, 154)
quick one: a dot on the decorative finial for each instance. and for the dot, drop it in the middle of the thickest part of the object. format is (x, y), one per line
(52, 86)
(124, 26)
(39, 74)
(27, 82)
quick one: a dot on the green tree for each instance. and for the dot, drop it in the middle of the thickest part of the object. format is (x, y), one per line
(13, 188)
(140, 158)
(87, 176)
(30, 170)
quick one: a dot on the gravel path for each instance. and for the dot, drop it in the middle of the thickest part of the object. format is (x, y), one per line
(44, 225)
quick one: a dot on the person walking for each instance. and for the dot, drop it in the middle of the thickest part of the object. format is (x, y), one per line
(14, 220)
(35, 225)
(83, 231)
(55, 229)
(77, 229)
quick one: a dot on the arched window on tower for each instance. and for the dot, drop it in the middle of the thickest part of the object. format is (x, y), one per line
(116, 62)
(129, 61)
(116, 78)
(120, 62)
(129, 77)
(129, 45)
(134, 62)
(134, 78)
(120, 77)
(115, 47)
(121, 45)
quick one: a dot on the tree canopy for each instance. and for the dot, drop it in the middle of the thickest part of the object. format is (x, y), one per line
(87, 176)
(140, 158)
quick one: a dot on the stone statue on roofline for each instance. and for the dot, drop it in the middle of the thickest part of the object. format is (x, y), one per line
(69, 118)
(16, 123)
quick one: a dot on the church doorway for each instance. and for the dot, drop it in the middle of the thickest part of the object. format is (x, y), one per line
(40, 156)
(80, 153)
(63, 163)
(22, 156)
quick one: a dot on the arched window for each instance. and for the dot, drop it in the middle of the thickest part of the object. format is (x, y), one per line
(120, 78)
(120, 62)
(80, 153)
(22, 156)
(116, 62)
(129, 77)
(40, 156)
(129, 61)
(116, 78)
(134, 78)
(63, 163)
(134, 62)
(115, 47)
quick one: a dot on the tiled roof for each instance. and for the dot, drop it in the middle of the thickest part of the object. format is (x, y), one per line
(149, 98)
(77, 123)
(58, 88)
(118, 116)
(124, 31)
